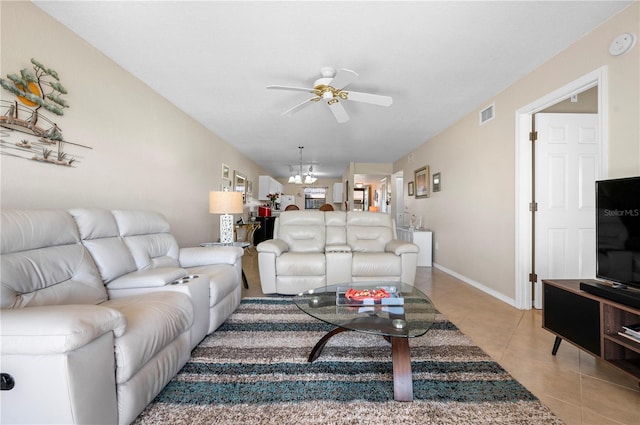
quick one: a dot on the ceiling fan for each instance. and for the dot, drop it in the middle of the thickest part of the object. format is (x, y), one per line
(331, 89)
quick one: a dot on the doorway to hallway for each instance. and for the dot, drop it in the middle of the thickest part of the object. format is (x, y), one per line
(525, 275)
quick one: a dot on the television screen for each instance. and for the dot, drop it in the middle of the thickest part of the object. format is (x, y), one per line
(618, 230)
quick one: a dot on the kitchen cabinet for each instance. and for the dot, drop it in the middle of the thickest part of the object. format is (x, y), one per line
(337, 193)
(267, 185)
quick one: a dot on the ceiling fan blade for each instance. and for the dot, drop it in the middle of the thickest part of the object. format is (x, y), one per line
(374, 99)
(308, 90)
(338, 112)
(300, 106)
(343, 78)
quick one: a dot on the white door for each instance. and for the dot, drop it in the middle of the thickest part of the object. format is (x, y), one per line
(567, 166)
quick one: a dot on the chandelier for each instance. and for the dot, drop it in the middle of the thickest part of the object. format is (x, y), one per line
(300, 177)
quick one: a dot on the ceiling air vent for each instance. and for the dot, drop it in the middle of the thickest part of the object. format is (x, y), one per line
(486, 114)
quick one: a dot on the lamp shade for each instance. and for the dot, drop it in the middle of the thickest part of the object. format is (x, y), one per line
(225, 203)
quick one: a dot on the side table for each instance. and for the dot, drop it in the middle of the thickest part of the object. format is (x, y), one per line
(245, 232)
(243, 245)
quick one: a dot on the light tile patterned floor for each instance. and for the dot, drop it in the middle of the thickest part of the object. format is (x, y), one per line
(579, 388)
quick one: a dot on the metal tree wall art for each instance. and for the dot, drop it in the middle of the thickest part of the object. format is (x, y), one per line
(35, 89)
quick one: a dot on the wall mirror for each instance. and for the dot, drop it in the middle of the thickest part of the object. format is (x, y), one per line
(240, 184)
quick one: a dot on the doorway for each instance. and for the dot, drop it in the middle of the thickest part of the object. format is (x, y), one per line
(525, 184)
(397, 200)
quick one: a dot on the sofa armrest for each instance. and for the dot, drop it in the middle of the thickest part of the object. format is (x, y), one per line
(399, 247)
(207, 255)
(337, 248)
(273, 246)
(56, 329)
(148, 278)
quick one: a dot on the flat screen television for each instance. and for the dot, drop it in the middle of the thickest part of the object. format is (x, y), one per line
(618, 231)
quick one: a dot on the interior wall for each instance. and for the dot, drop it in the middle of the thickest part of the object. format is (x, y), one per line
(473, 216)
(585, 103)
(146, 153)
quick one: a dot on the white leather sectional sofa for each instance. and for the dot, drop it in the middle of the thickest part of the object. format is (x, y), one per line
(100, 309)
(311, 249)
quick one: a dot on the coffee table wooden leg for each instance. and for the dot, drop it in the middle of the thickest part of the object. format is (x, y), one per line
(317, 350)
(402, 378)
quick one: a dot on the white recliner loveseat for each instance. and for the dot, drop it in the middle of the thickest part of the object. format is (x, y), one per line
(99, 310)
(311, 249)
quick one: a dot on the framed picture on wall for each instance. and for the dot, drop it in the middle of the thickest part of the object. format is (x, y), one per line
(421, 177)
(226, 172)
(410, 189)
(436, 182)
(240, 185)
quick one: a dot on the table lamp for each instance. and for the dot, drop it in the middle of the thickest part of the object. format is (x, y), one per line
(226, 203)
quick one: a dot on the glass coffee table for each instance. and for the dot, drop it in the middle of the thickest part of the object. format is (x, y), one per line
(397, 314)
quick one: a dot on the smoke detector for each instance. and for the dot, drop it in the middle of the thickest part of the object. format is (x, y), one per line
(622, 44)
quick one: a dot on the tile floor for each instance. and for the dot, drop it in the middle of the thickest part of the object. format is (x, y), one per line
(577, 387)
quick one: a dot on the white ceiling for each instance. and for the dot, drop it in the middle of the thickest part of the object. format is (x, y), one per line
(438, 60)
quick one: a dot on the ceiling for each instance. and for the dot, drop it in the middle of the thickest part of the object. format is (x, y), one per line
(438, 61)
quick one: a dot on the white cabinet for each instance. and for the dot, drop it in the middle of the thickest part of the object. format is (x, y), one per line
(337, 193)
(267, 185)
(422, 238)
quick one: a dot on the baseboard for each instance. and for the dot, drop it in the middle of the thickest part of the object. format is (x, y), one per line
(477, 285)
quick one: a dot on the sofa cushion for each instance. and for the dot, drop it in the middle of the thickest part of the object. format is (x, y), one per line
(302, 231)
(147, 236)
(151, 251)
(94, 223)
(138, 222)
(112, 257)
(32, 229)
(99, 234)
(303, 238)
(153, 321)
(301, 264)
(223, 280)
(374, 264)
(57, 328)
(369, 232)
(336, 222)
(43, 262)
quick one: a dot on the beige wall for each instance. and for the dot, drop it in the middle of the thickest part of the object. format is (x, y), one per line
(473, 216)
(372, 168)
(586, 103)
(146, 154)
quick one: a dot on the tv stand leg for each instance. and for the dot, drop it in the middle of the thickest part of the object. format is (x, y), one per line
(556, 345)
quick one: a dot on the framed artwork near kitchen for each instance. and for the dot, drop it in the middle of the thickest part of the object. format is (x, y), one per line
(421, 178)
(436, 182)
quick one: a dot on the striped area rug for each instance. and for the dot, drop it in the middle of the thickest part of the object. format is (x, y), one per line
(254, 370)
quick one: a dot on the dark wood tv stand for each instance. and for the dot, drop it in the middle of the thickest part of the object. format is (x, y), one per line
(591, 323)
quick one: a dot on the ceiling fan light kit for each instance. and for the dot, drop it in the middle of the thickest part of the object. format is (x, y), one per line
(330, 88)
